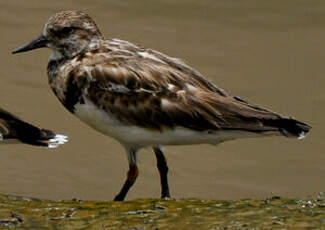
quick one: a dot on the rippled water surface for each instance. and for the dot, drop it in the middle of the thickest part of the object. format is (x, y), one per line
(270, 52)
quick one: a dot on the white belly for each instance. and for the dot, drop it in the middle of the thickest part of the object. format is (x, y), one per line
(141, 137)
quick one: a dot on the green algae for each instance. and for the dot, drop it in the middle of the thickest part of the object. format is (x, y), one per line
(275, 213)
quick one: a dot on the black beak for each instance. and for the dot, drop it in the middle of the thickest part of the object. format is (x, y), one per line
(39, 42)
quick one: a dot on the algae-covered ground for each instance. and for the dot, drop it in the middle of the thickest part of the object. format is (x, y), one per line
(274, 213)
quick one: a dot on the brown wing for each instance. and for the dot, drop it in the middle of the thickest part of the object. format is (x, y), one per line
(155, 95)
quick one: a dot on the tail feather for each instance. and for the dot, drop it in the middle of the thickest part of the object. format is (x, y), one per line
(50, 139)
(14, 129)
(43, 137)
(289, 127)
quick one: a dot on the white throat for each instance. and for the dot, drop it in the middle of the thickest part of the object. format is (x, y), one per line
(55, 55)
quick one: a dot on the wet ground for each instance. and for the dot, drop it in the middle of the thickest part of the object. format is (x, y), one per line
(270, 52)
(153, 214)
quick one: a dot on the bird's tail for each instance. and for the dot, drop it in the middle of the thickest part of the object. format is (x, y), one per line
(32, 135)
(289, 127)
(49, 139)
(14, 129)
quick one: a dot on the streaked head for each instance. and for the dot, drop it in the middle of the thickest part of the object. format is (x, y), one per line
(69, 33)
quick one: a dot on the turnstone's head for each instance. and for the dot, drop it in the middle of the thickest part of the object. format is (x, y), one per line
(67, 33)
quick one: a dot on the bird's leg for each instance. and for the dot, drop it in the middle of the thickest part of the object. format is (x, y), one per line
(163, 170)
(131, 175)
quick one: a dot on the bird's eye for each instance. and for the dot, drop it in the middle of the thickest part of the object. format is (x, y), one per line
(66, 30)
(63, 32)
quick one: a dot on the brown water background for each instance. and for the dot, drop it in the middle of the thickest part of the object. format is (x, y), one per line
(269, 52)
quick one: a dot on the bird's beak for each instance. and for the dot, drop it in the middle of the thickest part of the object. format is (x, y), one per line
(39, 42)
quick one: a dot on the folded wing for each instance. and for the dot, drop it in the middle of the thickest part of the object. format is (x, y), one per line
(156, 95)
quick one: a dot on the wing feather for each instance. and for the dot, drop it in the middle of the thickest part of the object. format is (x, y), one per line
(157, 95)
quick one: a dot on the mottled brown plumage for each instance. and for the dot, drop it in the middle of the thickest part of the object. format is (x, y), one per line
(142, 97)
(133, 88)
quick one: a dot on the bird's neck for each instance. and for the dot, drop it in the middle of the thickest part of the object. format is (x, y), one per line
(55, 61)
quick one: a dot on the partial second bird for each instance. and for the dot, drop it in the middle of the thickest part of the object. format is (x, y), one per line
(15, 130)
(144, 98)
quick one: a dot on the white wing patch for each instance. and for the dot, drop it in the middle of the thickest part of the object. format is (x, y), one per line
(170, 86)
(58, 139)
(302, 135)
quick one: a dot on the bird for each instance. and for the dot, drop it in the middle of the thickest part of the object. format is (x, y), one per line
(15, 130)
(144, 98)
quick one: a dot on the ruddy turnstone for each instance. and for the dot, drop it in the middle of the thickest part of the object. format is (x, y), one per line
(144, 98)
(14, 130)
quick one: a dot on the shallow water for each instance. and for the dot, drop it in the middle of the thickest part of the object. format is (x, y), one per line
(271, 53)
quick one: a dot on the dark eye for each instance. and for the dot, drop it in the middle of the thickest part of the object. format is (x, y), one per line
(66, 30)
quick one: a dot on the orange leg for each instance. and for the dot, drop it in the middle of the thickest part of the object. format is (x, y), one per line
(131, 175)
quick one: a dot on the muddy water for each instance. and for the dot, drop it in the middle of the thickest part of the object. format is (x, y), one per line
(271, 53)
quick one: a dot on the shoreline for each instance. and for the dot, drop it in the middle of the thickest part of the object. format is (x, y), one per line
(273, 213)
